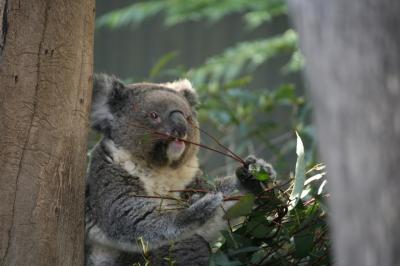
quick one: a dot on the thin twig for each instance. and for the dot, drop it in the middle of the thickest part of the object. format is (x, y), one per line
(218, 143)
(155, 197)
(314, 199)
(226, 198)
(167, 136)
(190, 190)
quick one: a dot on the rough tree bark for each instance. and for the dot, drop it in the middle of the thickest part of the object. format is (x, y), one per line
(352, 51)
(46, 59)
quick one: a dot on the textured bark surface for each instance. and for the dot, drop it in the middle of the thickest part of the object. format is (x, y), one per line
(3, 23)
(45, 92)
(352, 51)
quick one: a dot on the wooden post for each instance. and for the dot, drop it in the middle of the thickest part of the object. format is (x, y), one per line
(46, 58)
(352, 52)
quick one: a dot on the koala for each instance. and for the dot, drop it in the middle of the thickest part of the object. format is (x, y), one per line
(146, 152)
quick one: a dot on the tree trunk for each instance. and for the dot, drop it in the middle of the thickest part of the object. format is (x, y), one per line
(352, 51)
(46, 49)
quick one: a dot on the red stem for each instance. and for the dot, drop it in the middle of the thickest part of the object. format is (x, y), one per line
(190, 190)
(219, 143)
(190, 142)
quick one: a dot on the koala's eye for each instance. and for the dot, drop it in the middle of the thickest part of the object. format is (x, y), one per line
(153, 115)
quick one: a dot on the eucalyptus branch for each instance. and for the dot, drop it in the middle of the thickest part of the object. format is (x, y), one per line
(167, 136)
(218, 143)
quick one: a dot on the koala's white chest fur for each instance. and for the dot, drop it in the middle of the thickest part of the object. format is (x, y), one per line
(156, 181)
(162, 181)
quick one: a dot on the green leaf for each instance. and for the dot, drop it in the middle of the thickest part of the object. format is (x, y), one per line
(315, 178)
(243, 250)
(230, 239)
(258, 256)
(243, 58)
(162, 63)
(321, 187)
(303, 245)
(260, 174)
(258, 228)
(131, 15)
(300, 174)
(220, 259)
(235, 240)
(295, 64)
(242, 208)
(178, 11)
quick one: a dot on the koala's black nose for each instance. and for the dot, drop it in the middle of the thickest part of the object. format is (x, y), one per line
(178, 124)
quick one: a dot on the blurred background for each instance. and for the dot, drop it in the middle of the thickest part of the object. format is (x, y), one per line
(241, 56)
(243, 59)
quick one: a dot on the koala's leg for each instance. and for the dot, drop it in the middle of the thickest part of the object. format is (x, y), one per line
(130, 259)
(193, 251)
(99, 255)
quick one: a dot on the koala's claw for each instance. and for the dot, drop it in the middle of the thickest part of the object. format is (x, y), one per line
(203, 208)
(251, 159)
(254, 163)
(194, 198)
(244, 173)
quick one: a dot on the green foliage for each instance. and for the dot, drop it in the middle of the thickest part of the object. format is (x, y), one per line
(260, 174)
(274, 231)
(178, 11)
(243, 58)
(243, 207)
(284, 225)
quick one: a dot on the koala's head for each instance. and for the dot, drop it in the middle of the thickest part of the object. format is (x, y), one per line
(134, 115)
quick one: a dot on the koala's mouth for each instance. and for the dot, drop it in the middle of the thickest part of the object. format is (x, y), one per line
(175, 149)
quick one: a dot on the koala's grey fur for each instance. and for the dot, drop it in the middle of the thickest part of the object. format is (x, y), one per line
(131, 161)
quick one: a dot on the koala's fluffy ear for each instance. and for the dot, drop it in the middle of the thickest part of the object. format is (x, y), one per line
(107, 96)
(185, 88)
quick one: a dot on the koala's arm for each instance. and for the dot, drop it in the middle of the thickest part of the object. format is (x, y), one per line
(244, 181)
(125, 219)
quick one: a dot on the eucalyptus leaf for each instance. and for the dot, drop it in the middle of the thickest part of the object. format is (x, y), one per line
(258, 256)
(242, 208)
(220, 259)
(300, 174)
(244, 250)
(258, 228)
(314, 178)
(321, 187)
(303, 245)
(162, 63)
(260, 174)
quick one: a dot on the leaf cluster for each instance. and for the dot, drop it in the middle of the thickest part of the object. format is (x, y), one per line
(284, 225)
(178, 11)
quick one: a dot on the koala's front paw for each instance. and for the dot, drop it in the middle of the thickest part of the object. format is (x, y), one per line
(194, 198)
(203, 208)
(247, 179)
